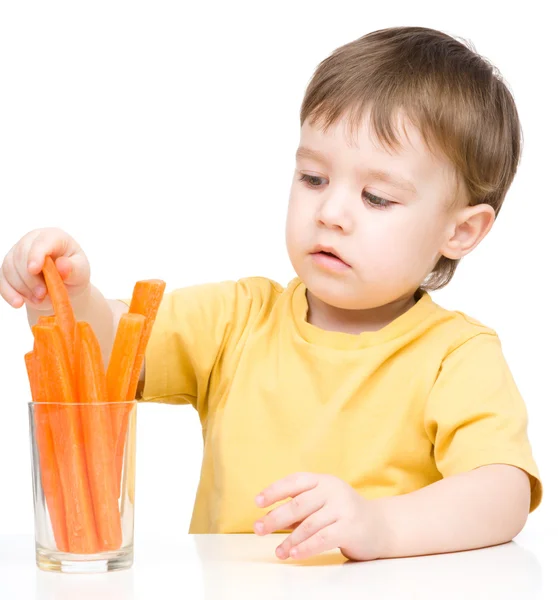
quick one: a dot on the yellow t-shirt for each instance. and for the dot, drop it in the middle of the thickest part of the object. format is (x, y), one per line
(428, 396)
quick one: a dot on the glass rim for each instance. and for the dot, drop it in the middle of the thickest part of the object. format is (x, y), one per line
(107, 403)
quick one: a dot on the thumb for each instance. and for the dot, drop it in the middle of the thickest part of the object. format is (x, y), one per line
(75, 271)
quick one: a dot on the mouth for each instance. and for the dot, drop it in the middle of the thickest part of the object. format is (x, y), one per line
(329, 258)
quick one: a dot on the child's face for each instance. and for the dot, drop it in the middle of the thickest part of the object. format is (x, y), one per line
(388, 237)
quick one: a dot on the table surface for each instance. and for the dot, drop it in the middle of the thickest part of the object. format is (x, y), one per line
(212, 567)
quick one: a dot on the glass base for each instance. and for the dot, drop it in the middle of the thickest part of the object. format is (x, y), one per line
(63, 562)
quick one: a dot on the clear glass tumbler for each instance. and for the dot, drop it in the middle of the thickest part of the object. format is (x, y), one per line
(83, 470)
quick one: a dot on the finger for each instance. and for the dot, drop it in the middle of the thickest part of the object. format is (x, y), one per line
(64, 267)
(75, 270)
(288, 487)
(323, 540)
(35, 284)
(309, 527)
(9, 294)
(14, 278)
(47, 243)
(296, 510)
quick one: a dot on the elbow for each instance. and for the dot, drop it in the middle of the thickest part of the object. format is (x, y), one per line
(515, 488)
(522, 502)
(516, 523)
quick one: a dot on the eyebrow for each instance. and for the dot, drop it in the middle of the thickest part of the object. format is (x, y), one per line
(378, 174)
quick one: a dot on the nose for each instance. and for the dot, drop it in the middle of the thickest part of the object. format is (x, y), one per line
(333, 212)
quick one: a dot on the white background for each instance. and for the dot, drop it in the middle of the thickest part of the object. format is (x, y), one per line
(162, 136)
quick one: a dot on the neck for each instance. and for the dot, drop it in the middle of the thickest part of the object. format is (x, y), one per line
(332, 318)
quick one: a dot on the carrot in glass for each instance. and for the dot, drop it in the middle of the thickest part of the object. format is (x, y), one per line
(50, 477)
(47, 320)
(68, 441)
(119, 372)
(99, 438)
(146, 300)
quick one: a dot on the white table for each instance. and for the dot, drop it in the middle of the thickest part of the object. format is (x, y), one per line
(244, 566)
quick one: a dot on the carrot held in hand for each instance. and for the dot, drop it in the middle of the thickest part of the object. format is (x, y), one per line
(119, 372)
(68, 440)
(99, 438)
(63, 311)
(50, 477)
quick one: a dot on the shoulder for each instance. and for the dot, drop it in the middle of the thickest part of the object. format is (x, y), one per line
(242, 299)
(258, 287)
(458, 329)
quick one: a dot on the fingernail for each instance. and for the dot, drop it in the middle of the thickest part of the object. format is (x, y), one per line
(293, 552)
(16, 302)
(260, 499)
(259, 527)
(39, 291)
(37, 300)
(280, 552)
(32, 265)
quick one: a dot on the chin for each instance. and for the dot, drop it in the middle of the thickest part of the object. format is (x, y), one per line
(348, 292)
(338, 292)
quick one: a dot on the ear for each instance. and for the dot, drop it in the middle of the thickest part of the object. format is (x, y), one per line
(468, 229)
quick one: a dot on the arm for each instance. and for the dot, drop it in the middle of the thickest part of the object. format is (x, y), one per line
(91, 306)
(483, 507)
(476, 421)
(103, 315)
(21, 283)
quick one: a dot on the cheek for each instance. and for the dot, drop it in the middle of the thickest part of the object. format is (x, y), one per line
(404, 246)
(293, 233)
(298, 218)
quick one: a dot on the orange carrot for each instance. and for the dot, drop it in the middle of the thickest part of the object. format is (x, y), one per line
(67, 436)
(50, 476)
(98, 438)
(63, 310)
(44, 320)
(146, 300)
(131, 458)
(123, 356)
(119, 371)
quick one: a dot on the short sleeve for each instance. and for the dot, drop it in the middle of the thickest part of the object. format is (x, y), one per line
(187, 336)
(475, 415)
(195, 330)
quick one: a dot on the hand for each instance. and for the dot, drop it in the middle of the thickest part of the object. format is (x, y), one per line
(325, 513)
(20, 276)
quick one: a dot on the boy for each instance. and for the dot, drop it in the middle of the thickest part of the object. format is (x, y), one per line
(388, 425)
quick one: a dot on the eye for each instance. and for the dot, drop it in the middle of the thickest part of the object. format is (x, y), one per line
(311, 180)
(376, 201)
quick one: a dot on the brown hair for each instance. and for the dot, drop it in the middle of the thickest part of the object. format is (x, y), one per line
(457, 100)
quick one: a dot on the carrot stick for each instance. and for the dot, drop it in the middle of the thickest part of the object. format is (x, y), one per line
(123, 356)
(63, 310)
(44, 320)
(99, 438)
(119, 371)
(67, 435)
(146, 300)
(49, 473)
(131, 458)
